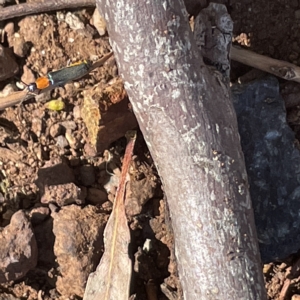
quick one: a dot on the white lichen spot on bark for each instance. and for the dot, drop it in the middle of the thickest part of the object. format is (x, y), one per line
(189, 136)
(148, 100)
(140, 72)
(139, 106)
(153, 18)
(129, 8)
(146, 52)
(161, 43)
(215, 291)
(187, 67)
(241, 189)
(212, 196)
(158, 89)
(106, 16)
(175, 95)
(127, 85)
(132, 71)
(116, 48)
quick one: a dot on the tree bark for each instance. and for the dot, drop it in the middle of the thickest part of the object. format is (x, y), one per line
(188, 121)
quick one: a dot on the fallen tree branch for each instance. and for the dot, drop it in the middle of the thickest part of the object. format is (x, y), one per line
(19, 10)
(187, 119)
(279, 68)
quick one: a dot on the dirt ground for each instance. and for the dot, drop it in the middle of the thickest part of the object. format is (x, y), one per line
(56, 194)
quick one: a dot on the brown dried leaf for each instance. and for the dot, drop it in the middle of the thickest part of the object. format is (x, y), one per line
(111, 280)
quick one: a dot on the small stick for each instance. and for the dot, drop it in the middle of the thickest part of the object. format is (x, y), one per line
(14, 98)
(282, 69)
(19, 10)
(101, 61)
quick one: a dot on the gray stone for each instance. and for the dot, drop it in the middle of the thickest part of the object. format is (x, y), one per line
(273, 166)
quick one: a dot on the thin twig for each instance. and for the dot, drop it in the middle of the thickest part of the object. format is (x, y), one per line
(14, 99)
(19, 10)
(100, 62)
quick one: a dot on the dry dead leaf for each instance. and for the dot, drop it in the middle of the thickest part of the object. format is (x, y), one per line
(112, 278)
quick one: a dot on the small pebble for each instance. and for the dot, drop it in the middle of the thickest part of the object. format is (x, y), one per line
(20, 48)
(36, 126)
(73, 21)
(62, 142)
(28, 75)
(70, 138)
(60, 16)
(77, 112)
(43, 97)
(55, 130)
(107, 206)
(99, 22)
(69, 125)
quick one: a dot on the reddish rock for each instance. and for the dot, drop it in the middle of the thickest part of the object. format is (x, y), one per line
(18, 248)
(78, 246)
(63, 194)
(138, 193)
